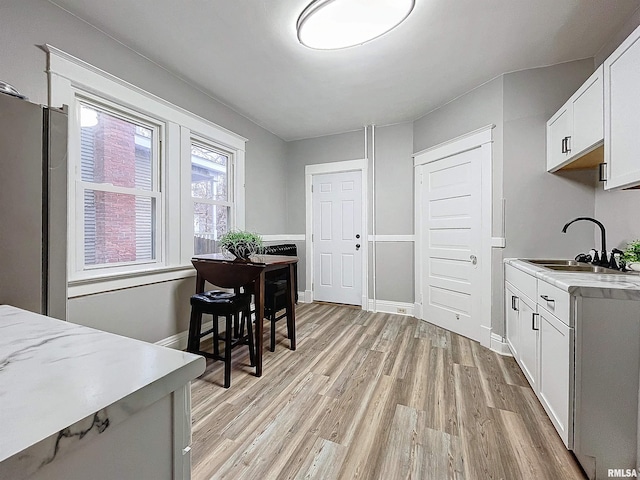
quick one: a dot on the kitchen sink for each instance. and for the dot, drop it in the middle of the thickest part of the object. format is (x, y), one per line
(552, 262)
(583, 268)
(574, 266)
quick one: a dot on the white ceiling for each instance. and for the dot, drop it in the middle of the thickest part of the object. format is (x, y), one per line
(245, 53)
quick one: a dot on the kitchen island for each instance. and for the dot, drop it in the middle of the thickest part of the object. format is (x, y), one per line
(82, 403)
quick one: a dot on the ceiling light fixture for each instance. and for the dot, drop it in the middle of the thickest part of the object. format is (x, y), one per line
(334, 24)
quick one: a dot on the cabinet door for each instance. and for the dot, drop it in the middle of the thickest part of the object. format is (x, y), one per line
(556, 364)
(588, 115)
(511, 315)
(558, 135)
(621, 106)
(529, 334)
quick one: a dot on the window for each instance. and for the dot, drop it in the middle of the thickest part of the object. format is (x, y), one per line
(150, 183)
(119, 185)
(212, 196)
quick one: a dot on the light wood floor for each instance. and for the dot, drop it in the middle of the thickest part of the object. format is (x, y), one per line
(373, 396)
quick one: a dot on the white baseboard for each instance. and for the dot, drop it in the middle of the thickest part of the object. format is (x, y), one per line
(485, 336)
(308, 296)
(179, 340)
(498, 345)
(417, 310)
(387, 306)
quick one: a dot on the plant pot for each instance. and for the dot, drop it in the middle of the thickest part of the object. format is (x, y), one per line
(242, 252)
(635, 266)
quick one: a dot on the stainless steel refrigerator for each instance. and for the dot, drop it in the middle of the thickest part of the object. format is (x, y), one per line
(33, 207)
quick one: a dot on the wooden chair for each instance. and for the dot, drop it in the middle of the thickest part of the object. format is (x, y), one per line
(221, 303)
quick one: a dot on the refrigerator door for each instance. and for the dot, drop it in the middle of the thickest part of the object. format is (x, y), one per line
(22, 278)
(55, 263)
(33, 207)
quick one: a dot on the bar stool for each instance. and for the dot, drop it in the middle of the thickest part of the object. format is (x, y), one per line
(275, 293)
(276, 300)
(223, 304)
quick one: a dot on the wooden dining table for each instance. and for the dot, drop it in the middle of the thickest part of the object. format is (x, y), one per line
(270, 263)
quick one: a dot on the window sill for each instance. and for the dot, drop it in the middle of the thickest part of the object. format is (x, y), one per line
(102, 284)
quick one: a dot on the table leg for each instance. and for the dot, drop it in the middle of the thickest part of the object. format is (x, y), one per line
(259, 294)
(199, 283)
(291, 306)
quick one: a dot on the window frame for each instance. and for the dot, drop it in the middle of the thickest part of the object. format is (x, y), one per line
(156, 192)
(231, 194)
(68, 77)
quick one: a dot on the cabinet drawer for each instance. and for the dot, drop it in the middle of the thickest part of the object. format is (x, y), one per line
(521, 280)
(554, 300)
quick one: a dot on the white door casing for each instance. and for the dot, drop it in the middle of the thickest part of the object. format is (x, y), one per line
(337, 237)
(453, 235)
(311, 171)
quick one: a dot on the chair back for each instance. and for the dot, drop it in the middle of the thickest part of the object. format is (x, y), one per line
(227, 274)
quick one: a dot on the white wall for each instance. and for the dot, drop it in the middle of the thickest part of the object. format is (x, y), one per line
(156, 311)
(538, 204)
(394, 213)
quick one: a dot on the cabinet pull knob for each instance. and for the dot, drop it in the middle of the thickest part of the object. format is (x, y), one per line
(546, 298)
(602, 172)
(533, 321)
(513, 303)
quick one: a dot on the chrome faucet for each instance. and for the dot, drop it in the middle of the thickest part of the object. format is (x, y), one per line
(603, 255)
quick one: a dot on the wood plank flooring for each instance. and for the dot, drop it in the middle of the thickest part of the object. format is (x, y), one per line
(373, 396)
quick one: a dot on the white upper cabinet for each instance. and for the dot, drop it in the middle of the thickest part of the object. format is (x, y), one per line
(622, 120)
(558, 134)
(577, 128)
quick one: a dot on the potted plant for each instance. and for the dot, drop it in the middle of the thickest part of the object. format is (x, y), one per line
(241, 244)
(631, 256)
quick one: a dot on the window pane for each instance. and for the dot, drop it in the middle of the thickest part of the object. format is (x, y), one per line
(209, 173)
(118, 228)
(209, 223)
(114, 150)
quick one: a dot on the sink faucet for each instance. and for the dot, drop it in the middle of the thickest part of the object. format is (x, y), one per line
(603, 256)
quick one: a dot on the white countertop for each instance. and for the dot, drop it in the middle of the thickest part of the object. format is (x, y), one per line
(54, 374)
(622, 286)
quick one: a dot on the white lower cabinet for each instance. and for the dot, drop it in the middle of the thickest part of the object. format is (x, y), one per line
(542, 343)
(512, 297)
(556, 367)
(529, 341)
(522, 335)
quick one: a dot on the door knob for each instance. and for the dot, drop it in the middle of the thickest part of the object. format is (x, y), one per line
(358, 235)
(357, 246)
(474, 259)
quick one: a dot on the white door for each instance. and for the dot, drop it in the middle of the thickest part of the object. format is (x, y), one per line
(450, 242)
(337, 237)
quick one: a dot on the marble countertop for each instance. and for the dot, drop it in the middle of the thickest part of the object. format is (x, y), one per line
(622, 286)
(56, 374)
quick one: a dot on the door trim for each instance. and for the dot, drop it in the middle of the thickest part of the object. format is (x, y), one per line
(336, 167)
(481, 138)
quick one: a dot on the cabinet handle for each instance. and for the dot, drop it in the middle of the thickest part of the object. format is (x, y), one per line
(546, 298)
(602, 172)
(533, 321)
(513, 303)
(564, 142)
(567, 144)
